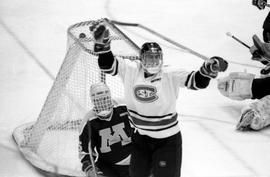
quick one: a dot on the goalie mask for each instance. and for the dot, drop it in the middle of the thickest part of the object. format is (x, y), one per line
(151, 57)
(101, 98)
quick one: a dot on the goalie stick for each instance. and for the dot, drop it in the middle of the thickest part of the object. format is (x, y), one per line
(264, 70)
(238, 40)
(244, 44)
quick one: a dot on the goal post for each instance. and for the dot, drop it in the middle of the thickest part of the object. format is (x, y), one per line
(51, 142)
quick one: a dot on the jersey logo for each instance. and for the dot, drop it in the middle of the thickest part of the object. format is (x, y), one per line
(110, 136)
(145, 93)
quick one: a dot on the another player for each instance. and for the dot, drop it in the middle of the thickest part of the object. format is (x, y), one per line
(240, 86)
(106, 129)
(151, 91)
(261, 4)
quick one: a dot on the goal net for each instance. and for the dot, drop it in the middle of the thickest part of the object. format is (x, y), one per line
(51, 142)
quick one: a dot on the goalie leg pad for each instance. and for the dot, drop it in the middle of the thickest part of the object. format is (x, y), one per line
(246, 119)
(263, 108)
(256, 116)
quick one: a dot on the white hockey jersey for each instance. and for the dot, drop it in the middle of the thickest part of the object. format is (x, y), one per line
(151, 101)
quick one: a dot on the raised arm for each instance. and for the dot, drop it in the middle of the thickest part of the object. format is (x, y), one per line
(102, 46)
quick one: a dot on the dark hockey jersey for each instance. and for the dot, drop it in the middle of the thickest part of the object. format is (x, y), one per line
(260, 87)
(111, 139)
(266, 23)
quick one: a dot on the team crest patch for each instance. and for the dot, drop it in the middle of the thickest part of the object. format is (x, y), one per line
(145, 93)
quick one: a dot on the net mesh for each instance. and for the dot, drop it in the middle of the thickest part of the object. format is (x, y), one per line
(51, 143)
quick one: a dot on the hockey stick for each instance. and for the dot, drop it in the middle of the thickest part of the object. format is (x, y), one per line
(162, 37)
(244, 44)
(111, 23)
(238, 40)
(90, 150)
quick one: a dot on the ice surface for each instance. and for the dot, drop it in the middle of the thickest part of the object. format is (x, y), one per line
(33, 40)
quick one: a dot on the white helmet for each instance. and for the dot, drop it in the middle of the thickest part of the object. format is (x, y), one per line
(101, 98)
(151, 57)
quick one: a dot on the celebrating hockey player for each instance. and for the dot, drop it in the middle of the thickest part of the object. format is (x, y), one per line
(106, 129)
(151, 91)
(241, 85)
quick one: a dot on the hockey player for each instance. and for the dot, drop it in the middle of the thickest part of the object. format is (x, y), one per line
(260, 4)
(106, 129)
(151, 91)
(241, 86)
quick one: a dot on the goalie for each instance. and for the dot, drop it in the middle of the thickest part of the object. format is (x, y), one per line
(106, 129)
(241, 86)
(151, 91)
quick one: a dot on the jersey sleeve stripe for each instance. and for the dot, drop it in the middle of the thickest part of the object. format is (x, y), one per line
(191, 83)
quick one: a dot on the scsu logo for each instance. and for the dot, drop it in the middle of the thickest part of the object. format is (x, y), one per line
(145, 93)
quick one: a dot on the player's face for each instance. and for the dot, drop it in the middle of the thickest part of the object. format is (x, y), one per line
(152, 62)
(103, 106)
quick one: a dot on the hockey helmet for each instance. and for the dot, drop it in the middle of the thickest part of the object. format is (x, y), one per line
(151, 57)
(100, 95)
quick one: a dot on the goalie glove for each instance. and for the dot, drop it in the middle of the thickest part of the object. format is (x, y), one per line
(211, 67)
(236, 86)
(90, 170)
(260, 51)
(256, 116)
(101, 35)
(259, 3)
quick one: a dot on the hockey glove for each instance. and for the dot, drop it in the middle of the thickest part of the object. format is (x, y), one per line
(259, 3)
(260, 51)
(101, 35)
(90, 170)
(236, 86)
(211, 67)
